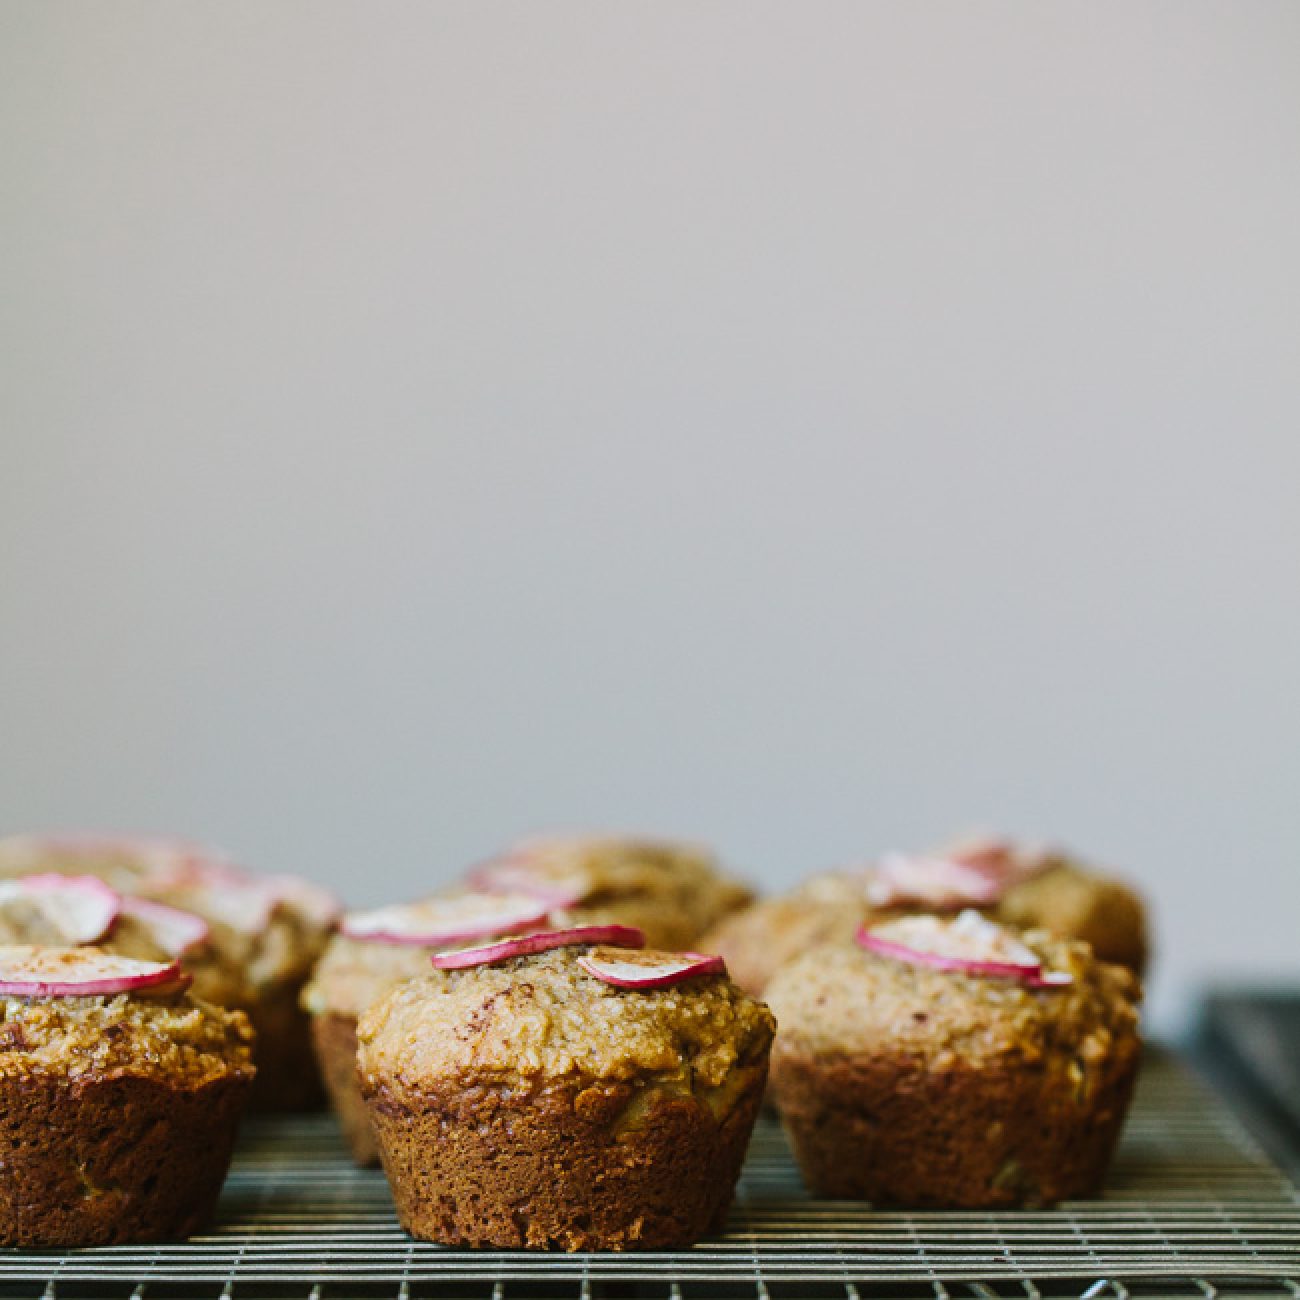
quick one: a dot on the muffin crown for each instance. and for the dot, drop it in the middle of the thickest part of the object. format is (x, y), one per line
(171, 1038)
(353, 973)
(844, 1000)
(545, 1017)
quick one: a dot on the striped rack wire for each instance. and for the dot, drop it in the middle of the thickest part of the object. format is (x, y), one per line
(1193, 1208)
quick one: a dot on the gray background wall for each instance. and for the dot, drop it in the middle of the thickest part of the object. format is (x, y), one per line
(813, 427)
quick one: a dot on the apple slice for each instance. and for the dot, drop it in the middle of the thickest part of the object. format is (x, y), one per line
(618, 936)
(901, 880)
(435, 922)
(648, 969)
(81, 909)
(970, 944)
(1001, 859)
(31, 972)
(174, 931)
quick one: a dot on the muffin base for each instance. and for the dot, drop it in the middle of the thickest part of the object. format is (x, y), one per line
(335, 1040)
(896, 1133)
(104, 1161)
(287, 1076)
(564, 1167)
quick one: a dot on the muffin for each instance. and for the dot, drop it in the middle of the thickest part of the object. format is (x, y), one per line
(953, 1063)
(759, 939)
(554, 1091)
(252, 947)
(1027, 888)
(372, 952)
(672, 891)
(120, 1095)
(265, 935)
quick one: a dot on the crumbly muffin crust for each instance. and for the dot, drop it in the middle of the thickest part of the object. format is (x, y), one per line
(905, 1084)
(672, 891)
(543, 1016)
(353, 973)
(1070, 901)
(759, 939)
(175, 1038)
(844, 999)
(530, 1104)
(1078, 903)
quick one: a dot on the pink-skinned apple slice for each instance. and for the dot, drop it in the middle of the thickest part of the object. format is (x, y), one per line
(434, 922)
(1001, 859)
(901, 879)
(34, 972)
(174, 931)
(970, 944)
(616, 936)
(80, 909)
(648, 968)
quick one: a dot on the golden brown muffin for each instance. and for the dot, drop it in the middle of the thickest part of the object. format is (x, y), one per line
(263, 942)
(1027, 888)
(531, 1103)
(903, 1083)
(375, 950)
(118, 1109)
(759, 939)
(672, 891)
(261, 936)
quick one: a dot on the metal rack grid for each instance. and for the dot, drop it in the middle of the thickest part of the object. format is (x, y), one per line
(1193, 1207)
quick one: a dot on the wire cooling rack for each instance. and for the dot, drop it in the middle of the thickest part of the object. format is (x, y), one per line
(1193, 1207)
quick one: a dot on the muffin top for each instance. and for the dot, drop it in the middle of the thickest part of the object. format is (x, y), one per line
(166, 1034)
(1024, 886)
(374, 950)
(757, 940)
(544, 1017)
(265, 932)
(120, 860)
(261, 938)
(353, 973)
(843, 1000)
(671, 890)
(237, 937)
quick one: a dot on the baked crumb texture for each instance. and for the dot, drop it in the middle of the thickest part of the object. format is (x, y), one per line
(1071, 901)
(529, 1104)
(672, 891)
(118, 1116)
(259, 967)
(906, 1085)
